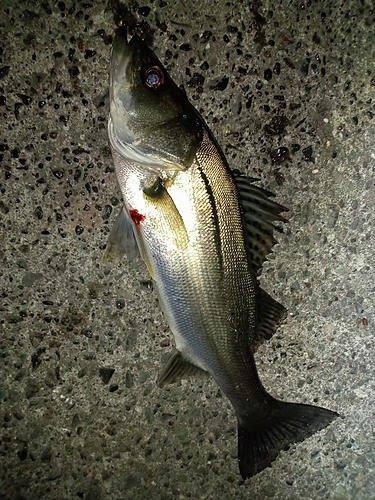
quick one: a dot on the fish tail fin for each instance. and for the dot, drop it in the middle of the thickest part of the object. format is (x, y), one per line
(288, 423)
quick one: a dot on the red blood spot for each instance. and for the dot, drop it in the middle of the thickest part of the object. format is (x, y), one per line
(364, 321)
(136, 217)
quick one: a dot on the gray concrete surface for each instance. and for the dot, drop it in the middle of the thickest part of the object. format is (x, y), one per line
(82, 343)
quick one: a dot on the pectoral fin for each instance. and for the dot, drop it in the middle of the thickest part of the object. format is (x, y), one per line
(121, 240)
(176, 368)
(170, 220)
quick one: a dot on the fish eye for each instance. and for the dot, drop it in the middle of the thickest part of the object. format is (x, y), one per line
(154, 77)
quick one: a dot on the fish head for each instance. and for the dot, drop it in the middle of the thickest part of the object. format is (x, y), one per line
(151, 120)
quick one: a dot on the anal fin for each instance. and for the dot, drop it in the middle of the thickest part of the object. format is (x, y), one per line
(176, 368)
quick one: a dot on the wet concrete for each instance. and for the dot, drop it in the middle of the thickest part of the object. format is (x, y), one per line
(289, 91)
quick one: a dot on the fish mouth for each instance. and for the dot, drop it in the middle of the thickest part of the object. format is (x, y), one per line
(120, 56)
(120, 87)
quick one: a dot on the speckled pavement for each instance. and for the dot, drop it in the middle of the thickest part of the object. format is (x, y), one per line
(288, 88)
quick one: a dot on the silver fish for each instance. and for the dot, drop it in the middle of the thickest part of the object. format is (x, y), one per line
(204, 232)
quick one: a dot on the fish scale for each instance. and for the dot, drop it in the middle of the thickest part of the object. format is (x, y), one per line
(204, 232)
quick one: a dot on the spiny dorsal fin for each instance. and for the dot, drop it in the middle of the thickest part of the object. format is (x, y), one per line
(258, 215)
(269, 316)
(176, 368)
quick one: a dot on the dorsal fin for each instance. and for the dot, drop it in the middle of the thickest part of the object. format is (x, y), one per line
(258, 214)
(269, 316)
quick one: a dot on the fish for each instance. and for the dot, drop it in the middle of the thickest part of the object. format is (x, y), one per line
(204, 232)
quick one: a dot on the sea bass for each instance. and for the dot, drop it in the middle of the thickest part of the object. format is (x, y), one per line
(204, 232)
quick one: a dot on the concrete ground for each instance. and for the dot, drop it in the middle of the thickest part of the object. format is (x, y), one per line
(288, 88)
